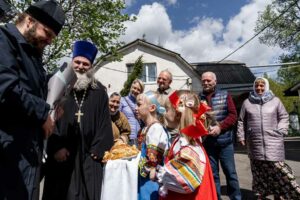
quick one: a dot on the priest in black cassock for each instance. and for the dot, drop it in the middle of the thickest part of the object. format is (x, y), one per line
(73, 168)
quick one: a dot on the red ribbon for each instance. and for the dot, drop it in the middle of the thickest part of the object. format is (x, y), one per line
(198, 129)
(174, 99)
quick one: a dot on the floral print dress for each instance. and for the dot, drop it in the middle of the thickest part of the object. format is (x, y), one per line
(276, 178)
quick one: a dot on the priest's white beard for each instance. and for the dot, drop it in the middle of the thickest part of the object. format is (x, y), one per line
(83, 81)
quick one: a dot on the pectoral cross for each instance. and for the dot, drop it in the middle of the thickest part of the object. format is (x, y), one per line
(79, 114)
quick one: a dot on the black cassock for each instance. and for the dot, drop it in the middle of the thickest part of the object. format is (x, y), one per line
(80, 177)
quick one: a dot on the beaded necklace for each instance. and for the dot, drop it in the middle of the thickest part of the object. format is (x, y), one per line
(79, 114)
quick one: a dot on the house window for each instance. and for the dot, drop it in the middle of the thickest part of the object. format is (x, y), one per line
(148, 74)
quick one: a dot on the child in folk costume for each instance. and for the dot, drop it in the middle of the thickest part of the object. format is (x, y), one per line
(187, 173)
(153, 142)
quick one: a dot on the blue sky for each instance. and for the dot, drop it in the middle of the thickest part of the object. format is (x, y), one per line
(184, 12)
(202, 30)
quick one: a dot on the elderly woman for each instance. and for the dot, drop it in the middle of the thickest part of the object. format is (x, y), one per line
(128, 104)
(262, 124)
(120, 125)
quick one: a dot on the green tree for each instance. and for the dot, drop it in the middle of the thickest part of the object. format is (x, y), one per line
(137, 71)
(290, 75)
(282, 19)
(278, 89)
(100, 21)
(284, 31)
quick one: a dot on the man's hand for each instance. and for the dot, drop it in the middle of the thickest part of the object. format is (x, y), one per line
(61, 155)
(48, 127)
(214, 130)
(59, 111)
(242, 142)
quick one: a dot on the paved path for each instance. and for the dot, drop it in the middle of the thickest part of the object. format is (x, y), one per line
(292, 146)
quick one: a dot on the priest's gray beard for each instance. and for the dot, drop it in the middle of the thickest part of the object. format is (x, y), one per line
(84, 80)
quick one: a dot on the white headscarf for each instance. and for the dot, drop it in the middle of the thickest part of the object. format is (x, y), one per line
(267, 86)
(265, 97)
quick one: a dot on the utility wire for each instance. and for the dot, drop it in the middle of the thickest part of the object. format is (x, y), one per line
(286, 66)
(262, 72)
(259, 31)
(281, 68)
(256, 72)
(276, 65)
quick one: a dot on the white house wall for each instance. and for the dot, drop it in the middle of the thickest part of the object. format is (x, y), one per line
(114, 74)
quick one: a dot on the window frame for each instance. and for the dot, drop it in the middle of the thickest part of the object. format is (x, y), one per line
(146, 67)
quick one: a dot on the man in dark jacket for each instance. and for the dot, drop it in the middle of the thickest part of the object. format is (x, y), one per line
(24, 118)
(219, 144)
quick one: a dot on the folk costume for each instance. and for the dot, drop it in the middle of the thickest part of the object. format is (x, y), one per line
(23, 90)
(154, 143)
(84, 130)
(187, 173)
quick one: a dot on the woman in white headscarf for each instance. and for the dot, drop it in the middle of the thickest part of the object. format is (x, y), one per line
(262, 124)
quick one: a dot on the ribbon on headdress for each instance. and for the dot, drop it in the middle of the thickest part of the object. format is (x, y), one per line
(174, 99)
(152, 97)
(199, 128)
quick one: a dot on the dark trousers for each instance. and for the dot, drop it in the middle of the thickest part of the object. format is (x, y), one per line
(224, 155)
(19, 174)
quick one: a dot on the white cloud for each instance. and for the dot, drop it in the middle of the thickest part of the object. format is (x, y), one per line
(195, 20)
(153, 21)
(209, 40)
(171, 2)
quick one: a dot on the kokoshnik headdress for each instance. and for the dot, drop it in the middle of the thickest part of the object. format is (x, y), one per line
(194, 130)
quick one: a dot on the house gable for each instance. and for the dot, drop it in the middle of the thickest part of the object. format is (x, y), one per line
(114, 74)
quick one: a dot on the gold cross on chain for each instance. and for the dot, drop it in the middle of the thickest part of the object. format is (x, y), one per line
(79, 114)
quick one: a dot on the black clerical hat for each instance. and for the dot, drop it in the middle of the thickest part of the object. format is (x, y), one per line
(49, 13)
(85, 49)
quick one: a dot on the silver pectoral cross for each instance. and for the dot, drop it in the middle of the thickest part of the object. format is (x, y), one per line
(79, 114)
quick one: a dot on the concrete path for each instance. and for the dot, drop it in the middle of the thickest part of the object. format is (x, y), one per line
(292, 146)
